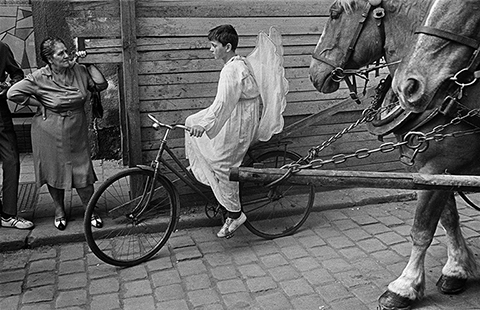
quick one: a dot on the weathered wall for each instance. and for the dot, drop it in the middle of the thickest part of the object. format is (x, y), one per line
(16, 30)
(50, 19)
(177, 75)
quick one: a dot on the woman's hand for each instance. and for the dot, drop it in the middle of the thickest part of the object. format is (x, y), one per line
(42, 111)
(78, 54)
(4, 86)
(34, 102)
(196, 131)
(81, 54)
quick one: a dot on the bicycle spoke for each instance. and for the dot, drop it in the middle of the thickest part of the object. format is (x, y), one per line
(278, 211)
(136, 224)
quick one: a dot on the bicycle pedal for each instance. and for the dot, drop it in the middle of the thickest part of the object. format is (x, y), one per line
(229, 236)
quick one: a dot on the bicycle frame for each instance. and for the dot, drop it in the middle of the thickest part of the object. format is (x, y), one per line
(141, 206)
(182, 173)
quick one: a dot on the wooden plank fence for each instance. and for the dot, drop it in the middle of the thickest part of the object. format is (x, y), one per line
(168, 70)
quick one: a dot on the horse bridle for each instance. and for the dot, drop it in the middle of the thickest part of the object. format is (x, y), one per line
(463, 78)
(339, 73)
(468, 75)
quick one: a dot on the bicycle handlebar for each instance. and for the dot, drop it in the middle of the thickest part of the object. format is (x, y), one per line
(157, 124)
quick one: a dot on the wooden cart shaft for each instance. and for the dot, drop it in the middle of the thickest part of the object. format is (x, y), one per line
(335, 178)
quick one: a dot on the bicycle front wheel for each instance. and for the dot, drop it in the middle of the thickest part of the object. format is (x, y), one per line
(137, 221)
(280, 210)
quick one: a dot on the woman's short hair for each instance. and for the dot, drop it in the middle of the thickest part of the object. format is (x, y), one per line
(47, 47)
(224, 34)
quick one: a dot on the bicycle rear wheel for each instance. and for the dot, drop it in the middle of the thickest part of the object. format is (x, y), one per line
(279, 210)
(134, 227)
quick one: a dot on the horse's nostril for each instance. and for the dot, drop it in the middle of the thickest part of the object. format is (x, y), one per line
(411, 87)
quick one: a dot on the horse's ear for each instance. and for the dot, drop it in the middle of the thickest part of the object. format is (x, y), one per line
(375, 2)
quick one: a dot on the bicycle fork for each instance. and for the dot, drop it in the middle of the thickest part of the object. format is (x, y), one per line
(149, 187)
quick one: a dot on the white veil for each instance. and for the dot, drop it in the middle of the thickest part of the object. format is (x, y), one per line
(266, 63)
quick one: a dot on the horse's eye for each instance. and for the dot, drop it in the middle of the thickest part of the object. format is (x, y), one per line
(335, 13)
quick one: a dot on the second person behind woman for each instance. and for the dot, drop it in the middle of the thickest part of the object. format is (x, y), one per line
(61, 150)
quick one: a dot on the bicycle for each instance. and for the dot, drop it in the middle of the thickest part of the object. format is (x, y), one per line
(140, 206)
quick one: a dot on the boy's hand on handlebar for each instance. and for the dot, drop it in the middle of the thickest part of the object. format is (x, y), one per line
(196, 131)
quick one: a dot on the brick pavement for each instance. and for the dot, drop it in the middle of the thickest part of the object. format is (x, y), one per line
(340, 259)
(41, 211)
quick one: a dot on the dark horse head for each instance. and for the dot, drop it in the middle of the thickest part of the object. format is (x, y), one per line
(360, 32)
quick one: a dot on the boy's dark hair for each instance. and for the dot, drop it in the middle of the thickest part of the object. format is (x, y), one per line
(224, 34)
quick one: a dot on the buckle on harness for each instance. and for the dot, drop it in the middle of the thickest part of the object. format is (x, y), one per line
(338, 74)
(449, 106)
(379, 13)
(464, 77)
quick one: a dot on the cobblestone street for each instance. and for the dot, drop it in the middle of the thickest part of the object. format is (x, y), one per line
(340, 259)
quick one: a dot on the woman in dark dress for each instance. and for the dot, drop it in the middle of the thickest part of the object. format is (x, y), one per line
(61, 150)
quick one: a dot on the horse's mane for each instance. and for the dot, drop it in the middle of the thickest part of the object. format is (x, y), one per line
(350, 6)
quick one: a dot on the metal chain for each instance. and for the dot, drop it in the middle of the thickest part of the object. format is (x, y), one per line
(368, 115)
(413, 140)
(359, 154)
(454, 121)
(314, 151)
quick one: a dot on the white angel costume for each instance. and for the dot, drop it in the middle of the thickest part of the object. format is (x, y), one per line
(232, 122)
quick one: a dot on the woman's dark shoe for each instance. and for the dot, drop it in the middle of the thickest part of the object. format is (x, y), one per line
(60, 223)
(96, 221)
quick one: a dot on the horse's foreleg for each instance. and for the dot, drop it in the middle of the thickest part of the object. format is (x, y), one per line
(461, 262)
(411, 284)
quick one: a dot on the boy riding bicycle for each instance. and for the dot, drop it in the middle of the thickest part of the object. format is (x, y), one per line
(229, 124)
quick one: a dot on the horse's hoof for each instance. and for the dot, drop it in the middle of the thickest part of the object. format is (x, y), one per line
(392, 301)
(451, 285)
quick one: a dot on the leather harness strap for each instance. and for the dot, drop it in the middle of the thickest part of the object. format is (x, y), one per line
(353, 42)
(356, 36)
(458, 38)
(338, 73)
(475, 63)
(449, 36)
(451, 106)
